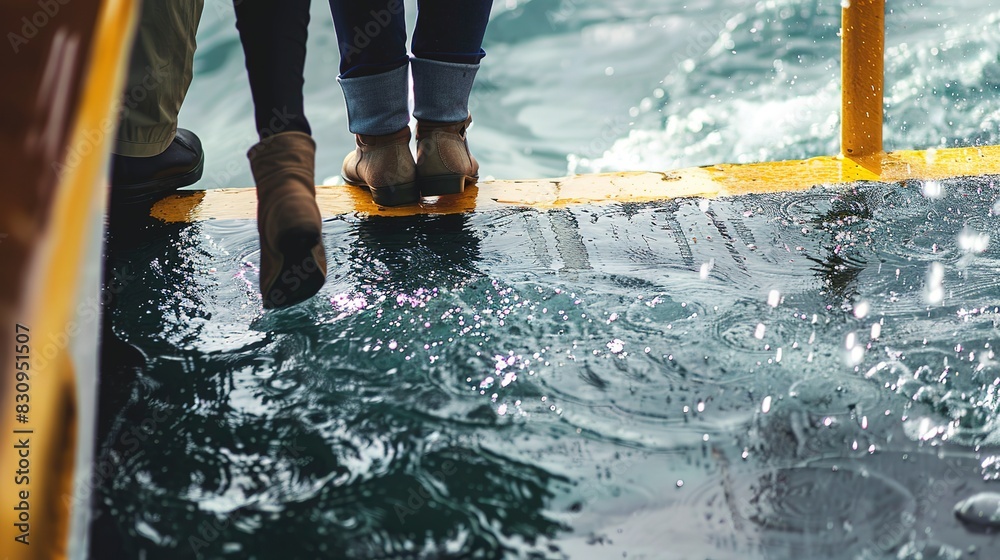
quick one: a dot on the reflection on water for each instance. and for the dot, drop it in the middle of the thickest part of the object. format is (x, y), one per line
(571, 383)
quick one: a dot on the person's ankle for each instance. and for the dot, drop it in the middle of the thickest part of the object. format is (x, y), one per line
(384, 165)
(445, 165)
(425, 127)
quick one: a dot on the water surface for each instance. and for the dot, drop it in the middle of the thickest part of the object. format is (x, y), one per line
(774, 376)
(771, 376)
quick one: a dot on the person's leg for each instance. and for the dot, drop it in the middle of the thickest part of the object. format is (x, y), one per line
(151, 155)
(371, 36)
(451, 30)
(274, 36)
(292, 258)
(373, 64)
(447, 48)
(374, 75)
(159, 73)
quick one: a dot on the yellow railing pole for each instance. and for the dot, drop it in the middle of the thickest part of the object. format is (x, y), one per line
(862, 75)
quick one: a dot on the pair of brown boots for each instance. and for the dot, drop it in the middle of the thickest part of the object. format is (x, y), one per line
(385, 165)
(292, 257)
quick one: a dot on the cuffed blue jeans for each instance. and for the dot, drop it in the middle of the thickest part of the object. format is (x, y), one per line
(372, 41)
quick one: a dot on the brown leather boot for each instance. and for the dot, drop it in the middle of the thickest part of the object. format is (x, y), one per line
(385, 165)
(292, 259)
(444, 163)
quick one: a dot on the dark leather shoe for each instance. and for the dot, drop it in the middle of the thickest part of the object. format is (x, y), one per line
(136, 180)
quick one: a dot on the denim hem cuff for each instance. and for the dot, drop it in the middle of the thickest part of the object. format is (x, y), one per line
(441, 89)
(377, 104)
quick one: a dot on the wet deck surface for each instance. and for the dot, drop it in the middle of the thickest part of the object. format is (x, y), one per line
(770, 376)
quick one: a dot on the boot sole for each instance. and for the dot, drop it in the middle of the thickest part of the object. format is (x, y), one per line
(300, 276)
(392, 195)
(445, 184)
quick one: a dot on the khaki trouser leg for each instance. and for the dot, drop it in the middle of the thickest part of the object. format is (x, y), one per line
(159, 74)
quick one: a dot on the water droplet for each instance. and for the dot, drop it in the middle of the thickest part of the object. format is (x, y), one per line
(765, 406)
(991, 468)
(932, 189)
(973, 241)
(855, 356)
(508, 378)
(850, 341)
(981, 510)
(774, 298)
(706, 268)
(935, 283)
(861, 309)
(758, 333)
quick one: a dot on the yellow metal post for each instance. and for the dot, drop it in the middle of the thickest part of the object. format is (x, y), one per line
(862, 75)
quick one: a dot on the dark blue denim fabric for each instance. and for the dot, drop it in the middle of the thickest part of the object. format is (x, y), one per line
(372, 34)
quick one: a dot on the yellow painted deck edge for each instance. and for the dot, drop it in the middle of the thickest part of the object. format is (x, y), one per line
(640, 186)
